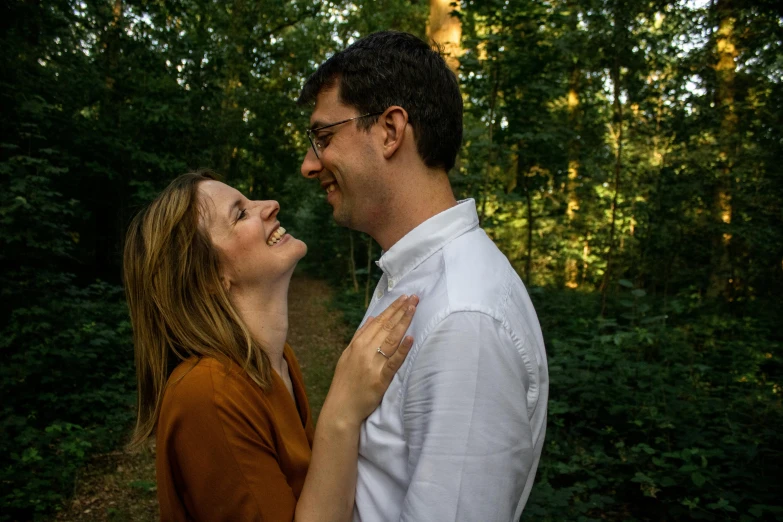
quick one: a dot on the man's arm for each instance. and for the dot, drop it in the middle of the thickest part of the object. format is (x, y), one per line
(466, 423)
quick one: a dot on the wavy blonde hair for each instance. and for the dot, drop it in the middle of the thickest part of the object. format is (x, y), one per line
(178, 306)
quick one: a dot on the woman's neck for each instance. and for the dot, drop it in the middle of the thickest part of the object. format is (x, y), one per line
(264, 309)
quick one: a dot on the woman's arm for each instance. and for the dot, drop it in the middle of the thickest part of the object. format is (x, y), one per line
(360, 380)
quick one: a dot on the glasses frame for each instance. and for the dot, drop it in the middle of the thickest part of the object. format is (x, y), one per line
(310, 132)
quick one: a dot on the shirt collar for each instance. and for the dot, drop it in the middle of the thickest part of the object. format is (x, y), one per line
(427, 238)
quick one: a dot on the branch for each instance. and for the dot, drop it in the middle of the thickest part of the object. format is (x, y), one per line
(307, 14)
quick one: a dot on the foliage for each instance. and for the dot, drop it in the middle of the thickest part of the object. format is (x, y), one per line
(613, 139)
(67, 379)
(606, 141)
(667, 416)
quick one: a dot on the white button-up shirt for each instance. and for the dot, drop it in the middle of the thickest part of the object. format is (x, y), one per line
(459, 433)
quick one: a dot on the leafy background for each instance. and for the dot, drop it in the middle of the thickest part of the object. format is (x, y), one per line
(625, 155)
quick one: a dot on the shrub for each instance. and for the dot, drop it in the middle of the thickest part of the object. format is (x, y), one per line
(657, 417)
(67, 384)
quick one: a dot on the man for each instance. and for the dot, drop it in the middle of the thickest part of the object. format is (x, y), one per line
(459, 433)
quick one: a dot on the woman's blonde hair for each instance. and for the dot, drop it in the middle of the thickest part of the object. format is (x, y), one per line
(178, 306)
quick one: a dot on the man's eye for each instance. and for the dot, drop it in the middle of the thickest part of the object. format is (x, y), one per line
(242, 213)
(322, 140)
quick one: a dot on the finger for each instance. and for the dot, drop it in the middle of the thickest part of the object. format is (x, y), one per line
(389, 330)
(395, 361)
(384, 317)
(395, 329)
(363, 327)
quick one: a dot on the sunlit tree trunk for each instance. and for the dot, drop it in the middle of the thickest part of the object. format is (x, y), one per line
(572, 205)
(573, 154)
(445, 30)
(721, 277)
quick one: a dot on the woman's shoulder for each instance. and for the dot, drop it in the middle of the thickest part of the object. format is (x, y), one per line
(201, 382)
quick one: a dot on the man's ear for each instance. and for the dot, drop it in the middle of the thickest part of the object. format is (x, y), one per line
(394, 121)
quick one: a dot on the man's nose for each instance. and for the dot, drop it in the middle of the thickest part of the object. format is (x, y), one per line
(311, 165)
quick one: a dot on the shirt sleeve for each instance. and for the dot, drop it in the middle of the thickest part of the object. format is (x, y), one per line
(222, 455)
(466, 423)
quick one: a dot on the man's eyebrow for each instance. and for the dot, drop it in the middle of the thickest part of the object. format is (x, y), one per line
(316, 124)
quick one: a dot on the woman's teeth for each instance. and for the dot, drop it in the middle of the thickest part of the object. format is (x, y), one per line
(276, 236)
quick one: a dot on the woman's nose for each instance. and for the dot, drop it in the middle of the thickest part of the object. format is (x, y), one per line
(268, 208)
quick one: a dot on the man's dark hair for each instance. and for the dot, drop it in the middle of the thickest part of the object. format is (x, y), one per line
(392, 68)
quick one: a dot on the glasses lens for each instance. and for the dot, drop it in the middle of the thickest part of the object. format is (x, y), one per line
(312, 144)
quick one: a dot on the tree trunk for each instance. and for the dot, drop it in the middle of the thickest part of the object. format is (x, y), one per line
(521, 172)
(617, 134)
(446, 31)
(352, 264)
(491, 156)
(721, 277)
(110, 190)
(369, 273)
(571, 269)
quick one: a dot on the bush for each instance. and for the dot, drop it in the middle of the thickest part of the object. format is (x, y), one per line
(656, 417)
(66, 373)
(67, 383)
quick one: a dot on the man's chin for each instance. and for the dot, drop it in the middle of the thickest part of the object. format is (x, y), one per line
(341, 218)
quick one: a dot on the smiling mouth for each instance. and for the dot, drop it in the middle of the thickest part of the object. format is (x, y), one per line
(276, 236)
(330, 187)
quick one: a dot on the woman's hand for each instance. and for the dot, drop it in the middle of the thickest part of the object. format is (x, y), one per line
(363, 373)
(361, 378)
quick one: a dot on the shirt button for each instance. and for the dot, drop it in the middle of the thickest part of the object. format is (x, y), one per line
(391, 284)
(380, 293)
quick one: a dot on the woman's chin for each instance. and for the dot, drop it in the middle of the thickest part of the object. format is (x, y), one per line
(299, 245)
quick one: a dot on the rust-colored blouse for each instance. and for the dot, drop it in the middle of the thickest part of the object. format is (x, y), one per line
(228, 451)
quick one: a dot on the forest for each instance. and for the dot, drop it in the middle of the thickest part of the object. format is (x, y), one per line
(625, 155)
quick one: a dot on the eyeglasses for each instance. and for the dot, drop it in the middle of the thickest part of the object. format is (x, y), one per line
(321, 143)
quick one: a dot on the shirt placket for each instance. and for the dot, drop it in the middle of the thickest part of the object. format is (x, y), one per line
(385, 285)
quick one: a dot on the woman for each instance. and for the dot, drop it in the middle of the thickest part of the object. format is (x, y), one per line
(206, 277)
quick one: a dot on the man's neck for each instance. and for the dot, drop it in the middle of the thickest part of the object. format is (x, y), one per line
(413, 204)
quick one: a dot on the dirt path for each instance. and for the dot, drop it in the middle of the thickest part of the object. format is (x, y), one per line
(120, 486)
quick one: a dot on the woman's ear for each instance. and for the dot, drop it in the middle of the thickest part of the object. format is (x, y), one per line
(225, 282)
(394, 121)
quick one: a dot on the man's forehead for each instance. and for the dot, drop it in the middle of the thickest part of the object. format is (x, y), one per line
(327, 107)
